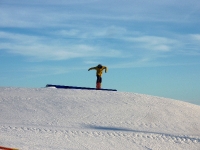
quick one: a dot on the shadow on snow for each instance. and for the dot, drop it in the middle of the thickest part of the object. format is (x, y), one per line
(105, 128)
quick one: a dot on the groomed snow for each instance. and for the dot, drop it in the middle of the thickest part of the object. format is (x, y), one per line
(61, 119)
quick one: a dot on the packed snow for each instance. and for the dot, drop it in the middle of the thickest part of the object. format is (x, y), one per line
(67, 119)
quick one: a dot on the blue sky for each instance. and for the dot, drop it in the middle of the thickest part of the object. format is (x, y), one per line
(150, 47)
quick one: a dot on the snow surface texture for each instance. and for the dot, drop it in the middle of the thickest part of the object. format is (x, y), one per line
(49, 119)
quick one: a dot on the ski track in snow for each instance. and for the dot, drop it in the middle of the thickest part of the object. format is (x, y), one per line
(108, 132)
(34, 119)
(111, 134)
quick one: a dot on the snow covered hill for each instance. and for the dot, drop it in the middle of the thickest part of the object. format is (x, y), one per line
(49, 119)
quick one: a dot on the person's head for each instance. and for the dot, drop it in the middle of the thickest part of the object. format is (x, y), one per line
(99, 66)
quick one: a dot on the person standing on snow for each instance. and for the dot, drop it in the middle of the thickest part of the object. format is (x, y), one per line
(99, 70)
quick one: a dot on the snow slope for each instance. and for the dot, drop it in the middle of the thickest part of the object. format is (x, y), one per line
(49, 119)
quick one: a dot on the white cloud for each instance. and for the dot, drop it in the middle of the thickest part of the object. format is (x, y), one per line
(67, 33)
(44, 48)
(40, 13)
(195, 37)
(191, 45)
(111, 31)
(154, 43)
(136, 33)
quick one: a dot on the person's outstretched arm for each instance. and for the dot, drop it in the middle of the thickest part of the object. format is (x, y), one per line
(91, 68)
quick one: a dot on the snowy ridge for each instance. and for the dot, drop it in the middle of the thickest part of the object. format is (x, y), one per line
(46, 118)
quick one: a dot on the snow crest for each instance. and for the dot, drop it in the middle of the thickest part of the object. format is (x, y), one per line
(46, 118)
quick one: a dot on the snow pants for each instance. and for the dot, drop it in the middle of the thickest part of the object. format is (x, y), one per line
(99, 79)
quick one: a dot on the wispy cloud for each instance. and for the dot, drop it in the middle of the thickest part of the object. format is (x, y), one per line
(63, 13)
(191, 45)
(44, 48)
(196, 37)
(154, 43)
(93, 29)
(142, 48)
